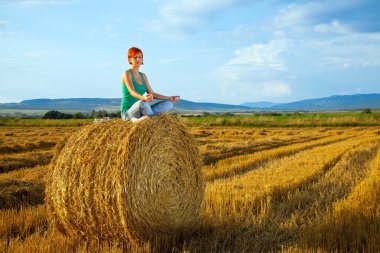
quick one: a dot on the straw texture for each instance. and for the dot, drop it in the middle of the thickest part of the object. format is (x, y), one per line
(118, 180)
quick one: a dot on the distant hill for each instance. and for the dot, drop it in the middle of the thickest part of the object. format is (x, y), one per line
(111, 104)
(344, 102)
(347, 102)
(185, 105)
(260, 104)
(80, 104)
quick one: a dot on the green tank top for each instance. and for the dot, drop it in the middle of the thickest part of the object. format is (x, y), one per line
(127, 99)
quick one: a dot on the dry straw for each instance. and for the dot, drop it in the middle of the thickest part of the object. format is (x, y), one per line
(118, 180)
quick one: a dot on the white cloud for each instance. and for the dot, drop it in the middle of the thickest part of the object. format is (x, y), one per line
(311, 12)
(339, 16)
(296, 14)
(269, 70)
(259, 56)
(350, 51)
(333, 27)
(273, 89)
(255, 73)
(193, 7)
(240, 86)
(185, 16)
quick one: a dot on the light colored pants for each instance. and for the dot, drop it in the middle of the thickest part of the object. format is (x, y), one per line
(141, 108)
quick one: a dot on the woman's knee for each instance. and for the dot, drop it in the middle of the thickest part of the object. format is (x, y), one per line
(145, 108)
(169, 104)
(144, 105)
(162, 106)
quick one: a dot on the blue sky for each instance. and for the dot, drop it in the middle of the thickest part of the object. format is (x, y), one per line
(224, 51)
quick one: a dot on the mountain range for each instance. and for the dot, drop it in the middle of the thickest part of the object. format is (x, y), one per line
(260, 104)
(346, 102)
(341, 102)
(111, 104)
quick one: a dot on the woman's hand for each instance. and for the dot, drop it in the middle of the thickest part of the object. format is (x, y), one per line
(148, 98)
(174, 98)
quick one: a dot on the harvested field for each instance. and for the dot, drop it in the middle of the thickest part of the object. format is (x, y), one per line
(267, 190)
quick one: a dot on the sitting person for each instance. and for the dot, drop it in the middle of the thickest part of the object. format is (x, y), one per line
(137, 101)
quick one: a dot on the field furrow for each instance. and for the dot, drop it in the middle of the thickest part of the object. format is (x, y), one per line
(40, 145)
(301, 208)
(18, 140)
(275, 178)
(16, 161)
(353, 225)
(228, 142)
(22, 187)
(242, 164)
(315, 197)
(240, 150)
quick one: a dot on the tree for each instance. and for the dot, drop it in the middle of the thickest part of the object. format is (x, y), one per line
(57, 115)
(99, 114)
(78, 115)
(366, 111)
(51, 115)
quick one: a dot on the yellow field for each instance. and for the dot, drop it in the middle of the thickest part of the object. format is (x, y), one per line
(268, 190)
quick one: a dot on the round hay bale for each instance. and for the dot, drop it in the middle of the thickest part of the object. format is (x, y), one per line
(118, 180)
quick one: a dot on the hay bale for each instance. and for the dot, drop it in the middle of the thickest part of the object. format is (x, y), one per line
(118, 180)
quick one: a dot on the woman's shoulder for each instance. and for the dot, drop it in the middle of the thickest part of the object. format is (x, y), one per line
(143, 74)
(126, 74)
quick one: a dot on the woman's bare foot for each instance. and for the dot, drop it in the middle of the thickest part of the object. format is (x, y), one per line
(136, 120)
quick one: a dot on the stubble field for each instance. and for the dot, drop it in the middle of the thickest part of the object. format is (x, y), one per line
(291, 189)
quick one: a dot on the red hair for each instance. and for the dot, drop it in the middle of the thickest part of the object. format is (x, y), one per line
(132, 52)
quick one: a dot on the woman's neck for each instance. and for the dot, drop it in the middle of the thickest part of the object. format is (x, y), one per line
(135, 69)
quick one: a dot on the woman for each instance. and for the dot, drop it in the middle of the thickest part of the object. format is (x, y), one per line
(139, 101)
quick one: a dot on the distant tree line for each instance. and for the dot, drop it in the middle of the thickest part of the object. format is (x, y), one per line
(53, 114)
(366, 111)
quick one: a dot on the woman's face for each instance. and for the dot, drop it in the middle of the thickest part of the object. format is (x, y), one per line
(137, 59)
